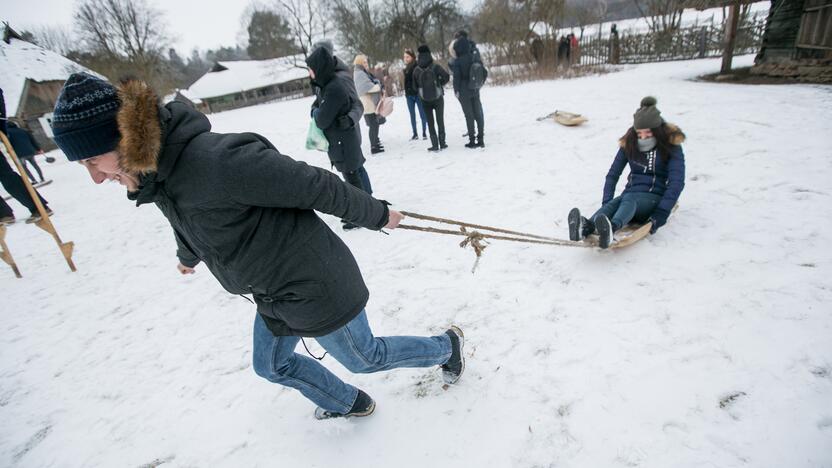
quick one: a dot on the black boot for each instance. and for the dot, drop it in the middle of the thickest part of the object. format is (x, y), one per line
(453, 369)
(604, 227)
(414, 137)
(471, 143)
(480, 142)
(376, 149)
(576, 225)
(363, 406)
(442, 145)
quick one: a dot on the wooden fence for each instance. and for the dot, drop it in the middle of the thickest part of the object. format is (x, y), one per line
(683, 44)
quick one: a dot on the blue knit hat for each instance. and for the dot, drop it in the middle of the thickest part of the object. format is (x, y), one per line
(84, 122)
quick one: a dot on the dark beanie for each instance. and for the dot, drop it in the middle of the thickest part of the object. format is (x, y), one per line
(84, 122)
(423, 49)
(647, 116)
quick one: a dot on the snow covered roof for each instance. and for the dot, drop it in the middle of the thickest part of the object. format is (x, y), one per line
(243, 75)
(21, 60)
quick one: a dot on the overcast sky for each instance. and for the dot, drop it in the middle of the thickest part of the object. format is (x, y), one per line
(206, 24)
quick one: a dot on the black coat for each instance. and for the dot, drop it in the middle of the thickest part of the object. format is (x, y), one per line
(461, 67)
(248, 212)
(409, 85)
(335, 97)
(425, 62)
(22, 141)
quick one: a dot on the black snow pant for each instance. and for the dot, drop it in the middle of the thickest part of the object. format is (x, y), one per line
(359, 179)
(472, 108)
(13, 184)
(372, 122)
(25, 161)
(435, 111)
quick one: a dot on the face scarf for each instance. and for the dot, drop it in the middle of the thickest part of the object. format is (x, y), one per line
(646, 144)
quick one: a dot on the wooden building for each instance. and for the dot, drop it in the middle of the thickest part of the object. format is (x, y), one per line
(31, 78)
(798, 41)
(241, 83)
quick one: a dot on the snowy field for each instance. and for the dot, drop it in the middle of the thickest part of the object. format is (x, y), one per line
(706, 345)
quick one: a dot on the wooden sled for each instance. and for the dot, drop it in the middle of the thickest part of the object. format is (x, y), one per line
(568, 119)
(626, 236)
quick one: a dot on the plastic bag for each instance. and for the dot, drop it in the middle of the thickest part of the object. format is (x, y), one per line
(315, 138)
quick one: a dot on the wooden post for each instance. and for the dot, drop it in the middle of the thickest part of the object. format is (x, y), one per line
(5, 255)
(44, 223)
(730, 37)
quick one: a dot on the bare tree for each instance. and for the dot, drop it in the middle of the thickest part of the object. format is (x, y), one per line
(58, 39)
(663, 16)
(505, 25)
(124, 37)
(361, 26)
(307, 22)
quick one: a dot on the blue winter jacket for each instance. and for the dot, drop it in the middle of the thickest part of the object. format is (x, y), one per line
(650, 173)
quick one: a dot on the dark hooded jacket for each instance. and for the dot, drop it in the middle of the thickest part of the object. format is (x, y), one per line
(425, 62)
(22, 141)
(335, 98)
(409, 86)
(248, 212)
(461, 67)
(649, 172)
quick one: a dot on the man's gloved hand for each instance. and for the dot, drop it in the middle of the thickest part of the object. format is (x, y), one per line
(344, 122)
(658, 218)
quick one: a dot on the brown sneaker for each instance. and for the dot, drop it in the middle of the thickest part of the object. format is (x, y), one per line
(7, 220)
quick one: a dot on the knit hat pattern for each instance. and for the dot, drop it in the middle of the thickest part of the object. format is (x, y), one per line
(647, 116)
(84, 121)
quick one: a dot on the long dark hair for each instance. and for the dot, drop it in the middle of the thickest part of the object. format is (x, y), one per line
(663, 143)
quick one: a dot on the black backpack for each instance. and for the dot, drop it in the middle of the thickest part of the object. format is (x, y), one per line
(429, 88)
(477, 73)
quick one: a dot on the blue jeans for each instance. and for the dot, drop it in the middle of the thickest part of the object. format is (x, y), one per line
(414, 101)
(632, 206)
(354, 346)
(359, 179)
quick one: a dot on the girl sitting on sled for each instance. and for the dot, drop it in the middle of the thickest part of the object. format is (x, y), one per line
(652, 149)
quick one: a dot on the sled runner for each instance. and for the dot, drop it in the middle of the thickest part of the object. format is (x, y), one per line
(626, 236)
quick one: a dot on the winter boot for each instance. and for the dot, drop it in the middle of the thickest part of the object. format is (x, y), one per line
(376, 149)
(35, 217)
(480, 142)
(453, 369)
(576, 225)
(414, 137)
(7, 219)
(433, 149)
(363, 406)
(442, 145)
(604, 228)
(471, 144)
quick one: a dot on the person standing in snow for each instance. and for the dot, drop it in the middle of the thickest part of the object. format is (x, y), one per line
(369, 90)
(26, 148)
(14, 184)
(247, 212)
(412, 95)
(430, 79)
(469, 76)
(652, 148)
(337, 111)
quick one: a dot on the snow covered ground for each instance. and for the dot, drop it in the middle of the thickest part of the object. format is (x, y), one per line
(707, 344)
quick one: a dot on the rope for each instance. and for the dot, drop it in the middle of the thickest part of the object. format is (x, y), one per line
(476, 239)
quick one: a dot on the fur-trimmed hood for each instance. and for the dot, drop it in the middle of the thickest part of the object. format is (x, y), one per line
(674, 133)
(152, 136)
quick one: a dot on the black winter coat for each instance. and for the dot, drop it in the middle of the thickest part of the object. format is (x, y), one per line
(248, 212)
(22, 141)
(426, 62)
(461, 67)
(409, 85)
(335, 97)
